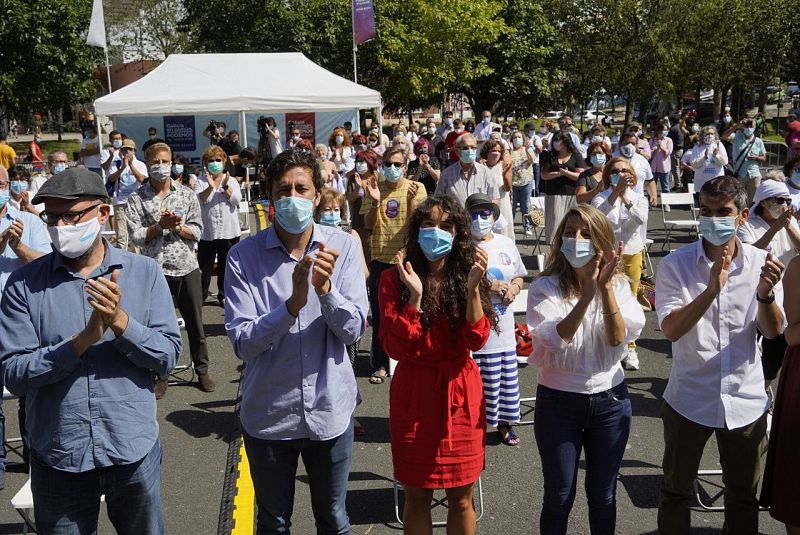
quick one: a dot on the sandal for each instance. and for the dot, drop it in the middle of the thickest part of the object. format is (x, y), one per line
(358, 429)
(511, 438)
(378, 377)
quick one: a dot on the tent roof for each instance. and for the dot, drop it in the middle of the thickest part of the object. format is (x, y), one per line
(230, 83)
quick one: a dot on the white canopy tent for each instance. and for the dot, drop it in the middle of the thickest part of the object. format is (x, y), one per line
(237, 83)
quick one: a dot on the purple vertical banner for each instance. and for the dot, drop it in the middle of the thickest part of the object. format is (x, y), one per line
(363, 21)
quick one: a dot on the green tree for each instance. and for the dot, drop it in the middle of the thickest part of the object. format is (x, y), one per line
(147, 29)
(521, 61)
(44, 61)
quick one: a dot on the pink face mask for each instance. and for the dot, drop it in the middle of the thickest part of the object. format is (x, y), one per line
(493, 157)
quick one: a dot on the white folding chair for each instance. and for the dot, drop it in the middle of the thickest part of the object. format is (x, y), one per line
(538, 231)
(520, 306)
(7, 396)
(647, 243)
(672, 224)
(244, 217)
(439, 501)
(176, 375)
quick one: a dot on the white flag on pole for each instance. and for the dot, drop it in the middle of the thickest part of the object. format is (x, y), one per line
(97, 27)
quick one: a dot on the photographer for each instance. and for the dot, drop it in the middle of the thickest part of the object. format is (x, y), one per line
(230, 144)
(215, 131)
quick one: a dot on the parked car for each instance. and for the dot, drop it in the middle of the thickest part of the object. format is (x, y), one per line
(553, 115)
(592, 116)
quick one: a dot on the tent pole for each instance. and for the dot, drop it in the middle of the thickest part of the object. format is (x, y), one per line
(243, 128)
(355, 63)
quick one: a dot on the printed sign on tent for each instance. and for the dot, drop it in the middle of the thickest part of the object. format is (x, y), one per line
(305, 122)
(179, 132)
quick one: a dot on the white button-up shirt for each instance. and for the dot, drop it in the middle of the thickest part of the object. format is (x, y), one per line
(220, 214)
(716, 379)
(587, 364)
(629, 224)
(642, 169)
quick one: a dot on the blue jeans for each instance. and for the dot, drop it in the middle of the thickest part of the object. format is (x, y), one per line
(663, 179)
(66, 503)
(565, 424)
(537, 176)
(273, 468)
(521, 195)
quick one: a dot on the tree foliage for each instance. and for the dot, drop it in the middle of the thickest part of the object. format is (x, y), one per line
(44, 61)
(146, 29)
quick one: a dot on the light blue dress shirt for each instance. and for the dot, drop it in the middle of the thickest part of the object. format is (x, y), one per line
(298, 381)
(96, 409)
(34, 235)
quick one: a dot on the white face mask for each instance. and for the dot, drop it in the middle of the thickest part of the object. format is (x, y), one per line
(159, 172)
(74, 240)
(361, 168)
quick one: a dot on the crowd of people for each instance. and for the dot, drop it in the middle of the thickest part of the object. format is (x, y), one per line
(413, 236)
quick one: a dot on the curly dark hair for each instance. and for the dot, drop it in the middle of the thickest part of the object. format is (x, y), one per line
(451, 297)
(289, 159)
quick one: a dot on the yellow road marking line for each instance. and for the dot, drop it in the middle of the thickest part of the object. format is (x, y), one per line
(244, 503)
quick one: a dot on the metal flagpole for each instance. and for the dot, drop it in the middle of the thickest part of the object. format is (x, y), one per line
(355, 46)
(108, 69)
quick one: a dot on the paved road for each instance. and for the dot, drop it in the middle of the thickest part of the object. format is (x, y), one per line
(197, 429)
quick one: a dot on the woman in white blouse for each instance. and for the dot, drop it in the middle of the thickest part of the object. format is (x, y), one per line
(627, 212)
(582, 314)
(219, 196)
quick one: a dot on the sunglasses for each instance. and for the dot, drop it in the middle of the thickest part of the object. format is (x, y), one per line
(483, 214)
(396, 165)
(781, 200)
(215, 160)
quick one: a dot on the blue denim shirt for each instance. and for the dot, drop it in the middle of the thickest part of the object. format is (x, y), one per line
(96, 409)
(298, 381)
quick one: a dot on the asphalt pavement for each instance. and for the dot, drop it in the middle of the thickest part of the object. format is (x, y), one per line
(202, 490)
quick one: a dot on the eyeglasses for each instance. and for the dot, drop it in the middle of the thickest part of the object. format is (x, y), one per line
(621, 171)
(397, 165)
(70, 218)
(483, 214)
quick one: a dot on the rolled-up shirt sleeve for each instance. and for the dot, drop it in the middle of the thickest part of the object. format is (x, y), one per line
(157, 345)
(344, 309)
(250, 333)
(24, 364)
(193, 219)
(669, 290)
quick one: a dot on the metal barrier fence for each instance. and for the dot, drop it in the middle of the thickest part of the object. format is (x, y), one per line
(777, 154)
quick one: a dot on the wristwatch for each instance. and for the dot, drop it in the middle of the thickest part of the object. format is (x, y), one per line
(766, 301)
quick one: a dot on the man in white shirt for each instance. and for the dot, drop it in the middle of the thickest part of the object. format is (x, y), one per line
(711, 298)
(644, 174)
(484, 129)
(126, 177)
(447, 126)
(90, 150)
(468, 176)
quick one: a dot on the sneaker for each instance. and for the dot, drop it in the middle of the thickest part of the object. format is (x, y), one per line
(528, 232)
(666, 208)
(160, 387)
(631, 360)
(207, 384)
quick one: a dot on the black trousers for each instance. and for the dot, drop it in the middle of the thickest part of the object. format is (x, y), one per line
(379, 358)
(207, 251)
(188, 298)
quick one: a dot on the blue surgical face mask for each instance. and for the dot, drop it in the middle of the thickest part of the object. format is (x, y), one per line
(117, 143)
(468, 155)
(627, 150)
(59, 167)
(717, 230)
(614, 179)
(481, 227)
(215, 168)
(392, 173)
(18, 186)
(177, 169)
(330, 219)
(4, 196)
(598, 159)
(294, 214)
(577, 251)
(435, 243)
(748, 132)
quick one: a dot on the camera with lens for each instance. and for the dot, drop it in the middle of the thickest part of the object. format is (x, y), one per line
(262, 125)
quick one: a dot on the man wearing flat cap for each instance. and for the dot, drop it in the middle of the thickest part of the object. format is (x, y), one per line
(82, 330)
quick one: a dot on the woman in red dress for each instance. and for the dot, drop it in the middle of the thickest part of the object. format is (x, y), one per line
(435, 309)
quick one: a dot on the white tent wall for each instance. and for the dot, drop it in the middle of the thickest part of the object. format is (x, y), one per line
(185, 132)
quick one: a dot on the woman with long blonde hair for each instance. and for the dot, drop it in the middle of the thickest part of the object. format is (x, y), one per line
(582, 314)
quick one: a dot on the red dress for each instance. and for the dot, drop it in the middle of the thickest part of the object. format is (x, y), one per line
(437, 416)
